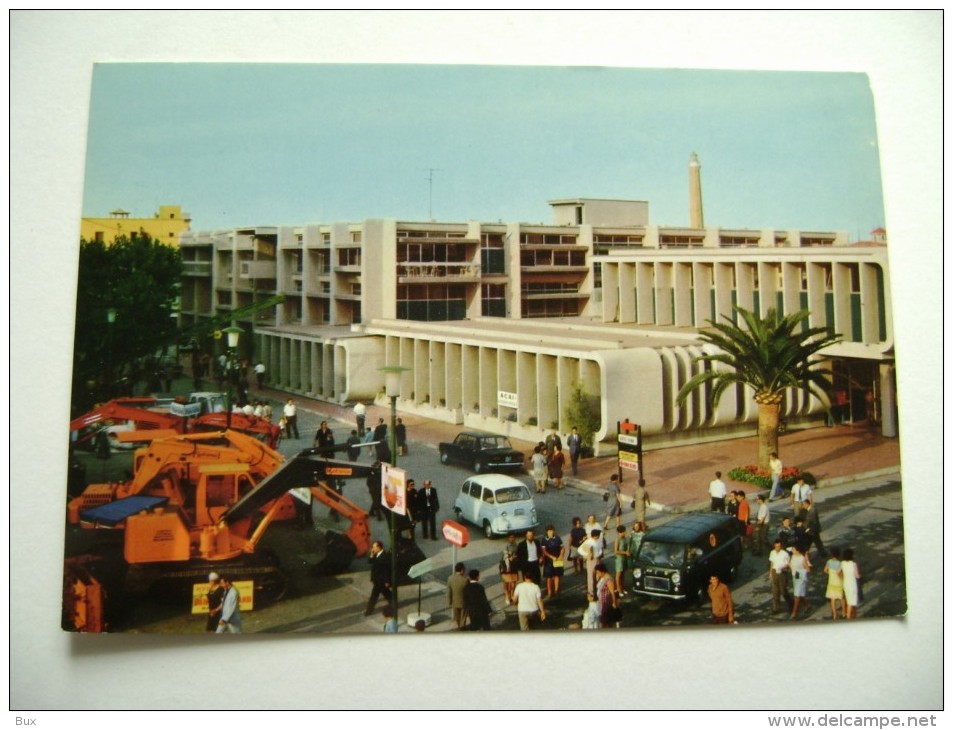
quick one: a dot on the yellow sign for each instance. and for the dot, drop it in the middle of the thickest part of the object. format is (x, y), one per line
(629, 460)
(246, 596)
(217, 335)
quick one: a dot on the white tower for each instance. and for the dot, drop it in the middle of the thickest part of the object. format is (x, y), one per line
(695, 214)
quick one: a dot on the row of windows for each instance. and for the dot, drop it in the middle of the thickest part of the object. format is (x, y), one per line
(854, 327)
(547, 239)
(455, 252)
(547, 257)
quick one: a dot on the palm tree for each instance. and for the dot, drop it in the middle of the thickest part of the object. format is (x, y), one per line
(769, 355)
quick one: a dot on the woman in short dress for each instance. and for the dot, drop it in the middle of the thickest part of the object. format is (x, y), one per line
(554, 554)
(851, 576)
(556, 463)
(800, 567)
(576, 535)
(508, 569)
(835, 583)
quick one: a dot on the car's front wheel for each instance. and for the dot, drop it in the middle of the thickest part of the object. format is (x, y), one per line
(488, 530)
(444, 457)
(477, 467)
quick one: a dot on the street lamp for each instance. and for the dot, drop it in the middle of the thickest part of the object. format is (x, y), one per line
(110, 320)
(232, 333)
(392, 375)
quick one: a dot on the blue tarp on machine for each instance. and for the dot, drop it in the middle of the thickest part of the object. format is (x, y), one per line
(115, 512)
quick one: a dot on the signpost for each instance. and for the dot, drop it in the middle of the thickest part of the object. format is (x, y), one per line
(457, 535)
(630, 448)
(415, 572)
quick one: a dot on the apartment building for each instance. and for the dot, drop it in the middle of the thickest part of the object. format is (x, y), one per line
(497, 322)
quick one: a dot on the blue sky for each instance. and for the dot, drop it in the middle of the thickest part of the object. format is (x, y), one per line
(272, 144)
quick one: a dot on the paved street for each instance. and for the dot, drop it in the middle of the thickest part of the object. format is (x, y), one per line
(863, 514)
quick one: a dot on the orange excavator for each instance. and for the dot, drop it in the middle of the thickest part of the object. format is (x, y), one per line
(153, 417)
(203, 502)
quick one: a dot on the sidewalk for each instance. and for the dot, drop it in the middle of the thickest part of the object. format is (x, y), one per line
(677, 478)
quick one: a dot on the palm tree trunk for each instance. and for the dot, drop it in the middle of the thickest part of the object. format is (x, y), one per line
(768, 413)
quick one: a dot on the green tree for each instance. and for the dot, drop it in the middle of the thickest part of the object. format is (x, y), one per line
(769, 355)
(139, 279)
(582, 411)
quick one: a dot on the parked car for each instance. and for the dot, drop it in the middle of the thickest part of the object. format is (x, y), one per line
(497, 503)
(482, 452)
(677, 559)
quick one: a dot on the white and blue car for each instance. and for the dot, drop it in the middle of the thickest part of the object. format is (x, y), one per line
(496, 503)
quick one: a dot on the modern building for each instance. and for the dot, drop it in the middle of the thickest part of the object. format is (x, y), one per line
(497, 323)
(166, 226)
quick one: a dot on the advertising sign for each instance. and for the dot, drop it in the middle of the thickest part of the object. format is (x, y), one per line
(394, 489)
(246, 596)
(455, 533)
(628, 439)
(505, 399)
(629, 460)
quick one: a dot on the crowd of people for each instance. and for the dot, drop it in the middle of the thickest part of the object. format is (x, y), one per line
(533, 569)
(789, 560)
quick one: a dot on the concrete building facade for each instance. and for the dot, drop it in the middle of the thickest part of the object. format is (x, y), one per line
(498, 323)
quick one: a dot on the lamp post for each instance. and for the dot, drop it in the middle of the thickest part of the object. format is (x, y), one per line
(110, 320)
(233, 333)
(392, 375)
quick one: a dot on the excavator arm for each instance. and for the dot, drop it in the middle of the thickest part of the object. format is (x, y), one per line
(312, 469)
(84, 428)
(307, 468)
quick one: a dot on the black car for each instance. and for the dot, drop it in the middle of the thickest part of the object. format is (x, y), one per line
(677, 559)
(481, 452)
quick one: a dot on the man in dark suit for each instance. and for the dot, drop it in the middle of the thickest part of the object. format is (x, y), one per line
(475, 604)
(428, 504)
(812, 525)
(380, 576)
(529, 553)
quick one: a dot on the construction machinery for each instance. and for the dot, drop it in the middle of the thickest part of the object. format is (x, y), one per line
(150, 418)
(203, 502)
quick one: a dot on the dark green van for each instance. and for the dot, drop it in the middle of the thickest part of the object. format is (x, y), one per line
(676, 560)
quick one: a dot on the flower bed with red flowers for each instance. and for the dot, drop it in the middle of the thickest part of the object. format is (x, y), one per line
(762, 477)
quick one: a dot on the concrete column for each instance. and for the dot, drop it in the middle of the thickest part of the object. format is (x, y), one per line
(888, 401)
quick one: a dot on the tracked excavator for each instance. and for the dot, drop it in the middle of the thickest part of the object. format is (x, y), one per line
(201, 503)
(119, 420)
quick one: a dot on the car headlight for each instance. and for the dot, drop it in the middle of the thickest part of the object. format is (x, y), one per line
(637, 573)
(503, 515)
(676, 578)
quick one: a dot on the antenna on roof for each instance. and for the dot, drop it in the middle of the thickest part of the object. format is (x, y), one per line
(431, 171)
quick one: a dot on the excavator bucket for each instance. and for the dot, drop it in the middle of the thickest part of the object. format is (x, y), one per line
(340, 552)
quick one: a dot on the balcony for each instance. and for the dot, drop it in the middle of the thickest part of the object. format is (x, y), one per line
(427, 271)
(258, 270)
(197, 268)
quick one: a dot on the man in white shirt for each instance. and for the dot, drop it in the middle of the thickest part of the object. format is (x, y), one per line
(291, 416)
(529, 600)
(360, 413)
(762, 520)
(717, 490)
(800, 492)
(777, 469)
(591, 550)
(231, 620)
(780, 561)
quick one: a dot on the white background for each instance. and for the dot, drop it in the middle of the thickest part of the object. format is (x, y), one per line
(886, 664)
